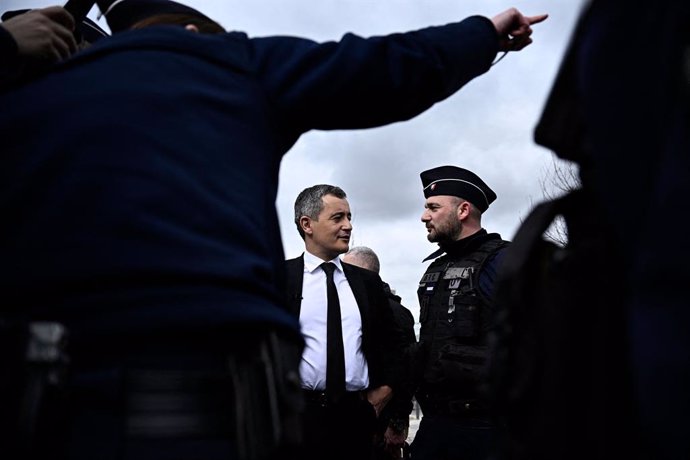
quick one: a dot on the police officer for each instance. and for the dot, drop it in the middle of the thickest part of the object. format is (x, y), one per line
(455, 314)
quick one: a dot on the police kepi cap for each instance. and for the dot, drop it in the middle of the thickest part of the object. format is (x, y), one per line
(123, 14)
(454, 181)
(86, 29)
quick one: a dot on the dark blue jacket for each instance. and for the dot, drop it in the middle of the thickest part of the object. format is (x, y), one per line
(139, 177)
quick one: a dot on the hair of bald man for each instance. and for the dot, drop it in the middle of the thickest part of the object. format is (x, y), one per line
(366, 258)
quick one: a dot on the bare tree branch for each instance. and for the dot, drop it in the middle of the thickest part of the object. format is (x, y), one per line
(563, 177)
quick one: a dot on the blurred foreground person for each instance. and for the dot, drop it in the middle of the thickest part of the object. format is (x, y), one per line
(601, 373)
(138, 200)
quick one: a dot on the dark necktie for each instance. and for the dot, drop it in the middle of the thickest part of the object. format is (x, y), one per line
(335, 355)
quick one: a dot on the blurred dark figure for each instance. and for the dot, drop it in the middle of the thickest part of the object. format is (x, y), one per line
(138, 196)
(394, 419)
(592, 354)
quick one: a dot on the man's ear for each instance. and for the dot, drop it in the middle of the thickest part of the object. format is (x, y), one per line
(192, 28)
(463, 210)
(305, 225)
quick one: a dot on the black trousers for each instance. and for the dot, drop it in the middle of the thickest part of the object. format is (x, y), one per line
(344, 431)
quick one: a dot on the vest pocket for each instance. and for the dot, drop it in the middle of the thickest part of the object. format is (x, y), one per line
(466, 320)
(462, 364)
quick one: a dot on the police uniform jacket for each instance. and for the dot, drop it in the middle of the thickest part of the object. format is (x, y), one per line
(456, 314)
(140, 176)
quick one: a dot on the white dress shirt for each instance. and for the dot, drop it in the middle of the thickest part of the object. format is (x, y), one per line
(313, 319)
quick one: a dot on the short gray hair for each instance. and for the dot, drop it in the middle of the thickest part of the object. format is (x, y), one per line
(366, 257)
(310, 202)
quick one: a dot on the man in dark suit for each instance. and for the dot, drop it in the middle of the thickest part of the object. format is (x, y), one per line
(394, 422)
(339, 424)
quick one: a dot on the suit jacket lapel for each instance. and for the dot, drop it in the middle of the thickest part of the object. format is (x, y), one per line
(295, 278)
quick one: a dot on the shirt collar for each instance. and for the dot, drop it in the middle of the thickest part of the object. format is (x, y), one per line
(311, 262)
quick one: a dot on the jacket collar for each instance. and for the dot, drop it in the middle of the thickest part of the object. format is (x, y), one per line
(461, 246)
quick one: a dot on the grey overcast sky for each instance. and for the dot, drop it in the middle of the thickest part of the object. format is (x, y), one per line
(486, 127)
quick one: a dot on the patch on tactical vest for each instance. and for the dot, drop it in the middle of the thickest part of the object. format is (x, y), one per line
(430, 278)
(458, 272)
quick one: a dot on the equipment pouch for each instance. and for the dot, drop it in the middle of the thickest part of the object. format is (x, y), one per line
(462, 365)
(467, 324)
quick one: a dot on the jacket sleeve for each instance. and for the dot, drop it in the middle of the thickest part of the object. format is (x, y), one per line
(489, 274)
(401, 405)
(10, 65)
(384, 356)
(366, 82)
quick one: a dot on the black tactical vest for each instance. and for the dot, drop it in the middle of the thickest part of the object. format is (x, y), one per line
(455, 318)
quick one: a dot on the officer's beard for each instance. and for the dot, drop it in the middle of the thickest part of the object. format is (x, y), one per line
(448, 232)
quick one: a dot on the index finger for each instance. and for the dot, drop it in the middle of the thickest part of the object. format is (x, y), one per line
(59, 15)
(536, 19)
